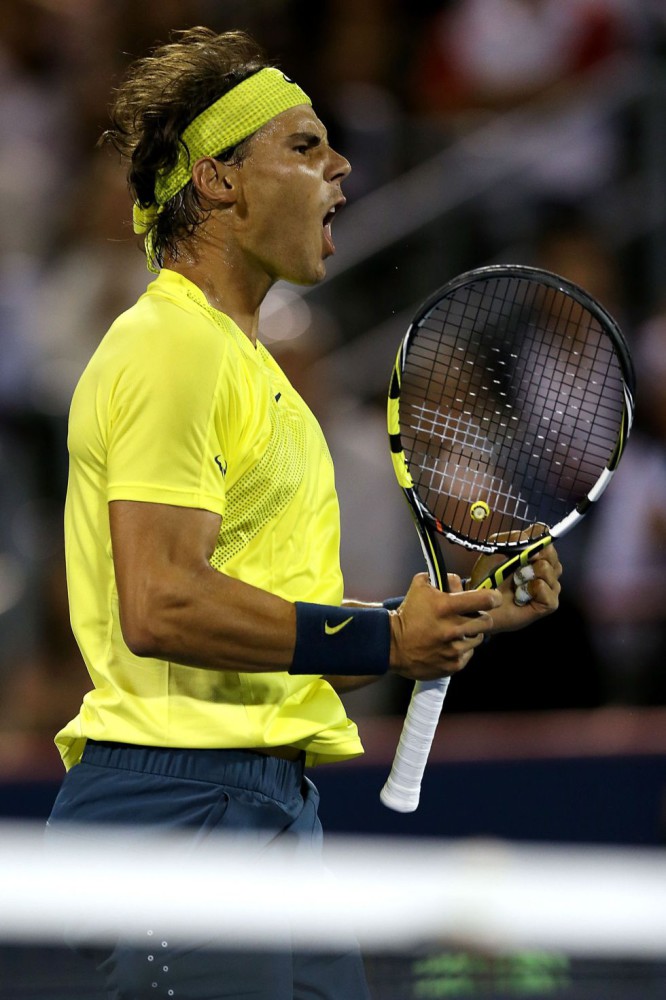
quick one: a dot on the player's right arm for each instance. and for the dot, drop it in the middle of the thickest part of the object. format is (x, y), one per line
(175, 606)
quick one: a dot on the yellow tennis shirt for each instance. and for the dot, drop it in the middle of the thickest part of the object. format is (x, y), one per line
(177, 406)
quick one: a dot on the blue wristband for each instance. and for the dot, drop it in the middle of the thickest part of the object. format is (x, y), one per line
(343, 641)
(392, 603)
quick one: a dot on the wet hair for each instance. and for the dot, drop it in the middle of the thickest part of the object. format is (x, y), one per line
(161, 94)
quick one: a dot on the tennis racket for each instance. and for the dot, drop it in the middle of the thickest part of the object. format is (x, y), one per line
(509, 408)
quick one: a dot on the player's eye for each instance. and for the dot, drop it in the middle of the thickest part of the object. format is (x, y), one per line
(305, 142)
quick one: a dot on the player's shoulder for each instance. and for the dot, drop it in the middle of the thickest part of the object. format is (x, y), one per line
(172, 319)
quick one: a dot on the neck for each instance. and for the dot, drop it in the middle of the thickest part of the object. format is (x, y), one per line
(229, 284)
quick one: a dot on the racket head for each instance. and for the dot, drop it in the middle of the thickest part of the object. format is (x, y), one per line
(510, 405)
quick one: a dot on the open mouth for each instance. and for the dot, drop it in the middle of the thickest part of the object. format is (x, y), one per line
(327, 222)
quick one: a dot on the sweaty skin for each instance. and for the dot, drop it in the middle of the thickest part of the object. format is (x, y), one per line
(269, 219)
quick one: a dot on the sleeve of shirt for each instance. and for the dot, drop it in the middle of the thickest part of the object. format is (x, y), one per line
(166, 441)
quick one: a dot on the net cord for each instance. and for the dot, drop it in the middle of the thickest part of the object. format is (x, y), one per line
(390, 893)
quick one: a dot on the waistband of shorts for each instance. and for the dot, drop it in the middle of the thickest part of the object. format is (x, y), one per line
(256, 770)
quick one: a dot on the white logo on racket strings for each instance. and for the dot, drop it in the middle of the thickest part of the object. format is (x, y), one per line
(458, 431)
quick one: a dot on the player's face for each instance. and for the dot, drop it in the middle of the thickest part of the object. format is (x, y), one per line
(291, 187)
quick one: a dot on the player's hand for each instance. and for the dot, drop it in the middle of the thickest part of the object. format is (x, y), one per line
(434, 634)
(531, 593)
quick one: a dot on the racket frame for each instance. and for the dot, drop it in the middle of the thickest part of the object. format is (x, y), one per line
(401, 792)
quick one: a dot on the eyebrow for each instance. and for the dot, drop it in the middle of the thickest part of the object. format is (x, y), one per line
(312, 138)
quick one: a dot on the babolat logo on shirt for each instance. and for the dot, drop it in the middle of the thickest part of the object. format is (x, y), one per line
(222, 465)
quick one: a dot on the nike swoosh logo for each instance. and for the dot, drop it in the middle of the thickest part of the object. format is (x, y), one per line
(332, 629)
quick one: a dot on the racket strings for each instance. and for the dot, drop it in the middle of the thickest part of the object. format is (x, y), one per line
(512, 396)
(445, 474)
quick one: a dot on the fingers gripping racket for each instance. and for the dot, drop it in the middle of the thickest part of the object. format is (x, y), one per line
(509, 408)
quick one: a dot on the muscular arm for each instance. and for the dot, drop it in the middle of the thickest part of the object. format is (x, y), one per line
(175, 606)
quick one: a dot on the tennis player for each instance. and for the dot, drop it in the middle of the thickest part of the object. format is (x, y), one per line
(202, 525)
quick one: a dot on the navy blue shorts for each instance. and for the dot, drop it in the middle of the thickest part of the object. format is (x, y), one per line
(264, 799)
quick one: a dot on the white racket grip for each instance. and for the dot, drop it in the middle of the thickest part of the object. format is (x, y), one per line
(403, 785)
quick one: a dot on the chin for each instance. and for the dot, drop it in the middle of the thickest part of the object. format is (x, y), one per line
(311, 277)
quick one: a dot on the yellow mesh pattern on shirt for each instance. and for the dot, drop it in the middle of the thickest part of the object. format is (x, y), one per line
(267, 489)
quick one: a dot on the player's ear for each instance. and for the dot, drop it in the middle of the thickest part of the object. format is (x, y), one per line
(214, 181)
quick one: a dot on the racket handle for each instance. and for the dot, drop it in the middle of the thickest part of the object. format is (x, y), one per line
(403, 785)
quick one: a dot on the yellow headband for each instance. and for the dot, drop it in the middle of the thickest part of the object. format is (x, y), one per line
(232, 118)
